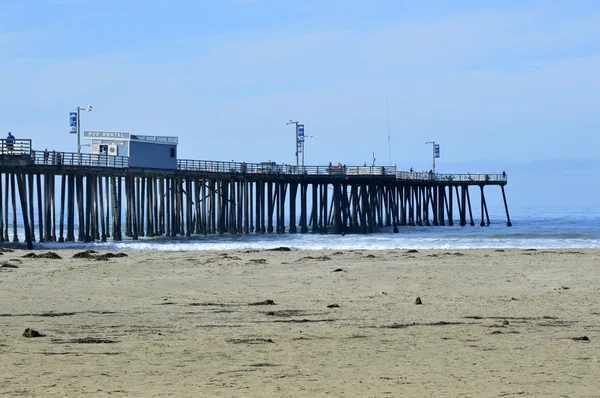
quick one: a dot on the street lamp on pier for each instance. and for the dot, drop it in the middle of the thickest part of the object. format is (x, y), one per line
(435, 153)
(296, 123)
(89, 109)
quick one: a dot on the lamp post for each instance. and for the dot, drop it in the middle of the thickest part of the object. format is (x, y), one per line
(432, 153)
(296, 123)
(89, 109)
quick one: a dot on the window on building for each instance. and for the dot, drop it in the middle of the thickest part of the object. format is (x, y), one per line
(172, 152)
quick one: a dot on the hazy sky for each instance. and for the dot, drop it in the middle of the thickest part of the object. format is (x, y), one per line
(494, 83)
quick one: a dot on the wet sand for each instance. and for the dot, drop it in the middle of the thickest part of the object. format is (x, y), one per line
(511, 323)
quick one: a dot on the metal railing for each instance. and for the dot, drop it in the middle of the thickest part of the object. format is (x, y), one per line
(427, 176)
(271, 168)
(16, 147)
(53, 158)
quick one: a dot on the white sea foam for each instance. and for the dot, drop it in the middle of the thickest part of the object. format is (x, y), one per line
(333, 242)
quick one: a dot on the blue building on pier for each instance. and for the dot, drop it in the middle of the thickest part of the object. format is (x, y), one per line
(144, 151)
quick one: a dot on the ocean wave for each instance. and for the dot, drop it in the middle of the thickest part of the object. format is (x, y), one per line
(330, 242)
(530, 233)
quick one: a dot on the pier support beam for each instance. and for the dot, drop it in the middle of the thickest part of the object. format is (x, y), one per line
(508, 223)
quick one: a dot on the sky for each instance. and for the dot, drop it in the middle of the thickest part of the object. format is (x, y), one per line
(500, 85)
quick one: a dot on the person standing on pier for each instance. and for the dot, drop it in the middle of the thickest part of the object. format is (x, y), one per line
(10, 142)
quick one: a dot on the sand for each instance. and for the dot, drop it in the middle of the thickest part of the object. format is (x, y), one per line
(512, 323)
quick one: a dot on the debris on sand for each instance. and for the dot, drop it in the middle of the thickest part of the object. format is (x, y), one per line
(280, 249)
(258, 260)
(48, 255)
(582, 338)
(338, 270)
(32, 333)
(55, 314)
(5, 250)
(333, 306)
(418, 301)
(318, 258)
(285, 313)
(85, 254)
(92, 340)
(7, 265)
(93, 255)
(411, 251)
(106, 256)
(266, 302)
(250, 341)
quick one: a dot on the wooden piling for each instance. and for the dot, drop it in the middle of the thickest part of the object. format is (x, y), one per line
(31, 204)
(23, 198)
(14, 206)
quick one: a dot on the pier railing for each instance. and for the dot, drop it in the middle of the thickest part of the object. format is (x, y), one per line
(17, 147)
(54, 158)
(274, 168)
(426, 176)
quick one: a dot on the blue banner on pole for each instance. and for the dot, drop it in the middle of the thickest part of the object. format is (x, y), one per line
(300, 146)
(300, 133)
(73, 122)
(436, 150)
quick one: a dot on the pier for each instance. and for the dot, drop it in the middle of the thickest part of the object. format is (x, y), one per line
(67, 197)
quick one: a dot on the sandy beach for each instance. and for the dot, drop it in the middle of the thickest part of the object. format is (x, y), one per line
(492, 323)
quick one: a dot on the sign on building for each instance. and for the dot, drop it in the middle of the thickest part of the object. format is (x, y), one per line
(113, 135)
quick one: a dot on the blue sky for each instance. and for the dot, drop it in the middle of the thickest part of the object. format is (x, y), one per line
(500, 85)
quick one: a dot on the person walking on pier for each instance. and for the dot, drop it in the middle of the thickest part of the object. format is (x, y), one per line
(10, 142)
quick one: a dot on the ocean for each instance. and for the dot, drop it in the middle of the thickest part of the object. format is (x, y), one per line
(532, 228)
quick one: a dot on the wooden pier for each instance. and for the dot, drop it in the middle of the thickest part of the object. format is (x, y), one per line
(67, 197)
